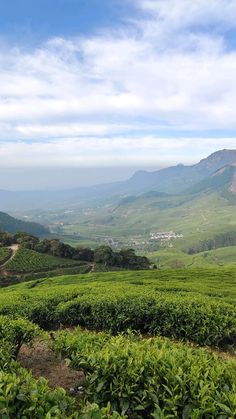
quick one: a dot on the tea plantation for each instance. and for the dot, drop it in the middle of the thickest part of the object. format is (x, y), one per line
(4, 254)
(27, 260)
(140, 344)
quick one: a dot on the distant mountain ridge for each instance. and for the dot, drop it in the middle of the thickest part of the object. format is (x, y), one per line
(177, 178)
(172, 180)
(12, 225)
(223, 180)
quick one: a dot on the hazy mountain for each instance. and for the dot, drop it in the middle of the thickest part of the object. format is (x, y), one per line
(172, 180)
(12, 225)
(223, 181)
(176, 179)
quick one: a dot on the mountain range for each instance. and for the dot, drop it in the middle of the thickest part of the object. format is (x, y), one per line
(214, 171)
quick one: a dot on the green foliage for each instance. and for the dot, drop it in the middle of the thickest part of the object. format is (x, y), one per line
(58, 254)
(12, 225)
(177, 317)
(6, 239)
(93, 411)
(196, 305)
(16, 332)
(21, 396)
(4, 254)
(149, 377)
(220, 240)
(27, 260)
(171, 258)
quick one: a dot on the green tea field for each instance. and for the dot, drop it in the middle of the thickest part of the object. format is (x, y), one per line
(27, 260)
(147, 344)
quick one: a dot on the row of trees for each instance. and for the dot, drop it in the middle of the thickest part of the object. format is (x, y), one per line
(220, 240)
(126, 258)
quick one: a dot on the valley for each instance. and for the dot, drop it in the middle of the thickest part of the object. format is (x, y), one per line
(123, 306)
(193, 213)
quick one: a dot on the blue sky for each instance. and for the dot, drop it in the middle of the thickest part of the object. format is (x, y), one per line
(32, 21)
(128, 83)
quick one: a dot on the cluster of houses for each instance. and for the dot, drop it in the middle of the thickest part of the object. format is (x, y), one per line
(165, 235)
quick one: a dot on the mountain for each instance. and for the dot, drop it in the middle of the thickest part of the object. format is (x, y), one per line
(12, 225)
(176, 179)
(171, 180)
(223, 181)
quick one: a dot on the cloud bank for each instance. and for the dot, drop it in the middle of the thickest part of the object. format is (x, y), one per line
(141, 93)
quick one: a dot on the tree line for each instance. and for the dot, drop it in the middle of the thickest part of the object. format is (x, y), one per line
(104, 255)
(220, 240)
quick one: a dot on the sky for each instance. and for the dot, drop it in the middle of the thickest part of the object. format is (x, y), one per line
(90, 90)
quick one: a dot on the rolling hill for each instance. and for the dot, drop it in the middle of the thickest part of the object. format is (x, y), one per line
(12, 225)
(202, 212)
(26, 260)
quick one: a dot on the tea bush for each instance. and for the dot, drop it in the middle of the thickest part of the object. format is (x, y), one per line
(161, 307)
(151, 377)
(16, 332)
(22, 396)
(207, 323)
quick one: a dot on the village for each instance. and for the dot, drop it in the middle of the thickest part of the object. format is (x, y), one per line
(165, 235)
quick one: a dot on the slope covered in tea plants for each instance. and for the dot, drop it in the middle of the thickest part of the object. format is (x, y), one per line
(137, 375)
(150, 377)
(4, 254)
(27, 260)
(195, 305)
(21, 395)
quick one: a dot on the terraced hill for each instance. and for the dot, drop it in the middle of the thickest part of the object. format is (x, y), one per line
(23, 264)
(27, 260)
(5, 253)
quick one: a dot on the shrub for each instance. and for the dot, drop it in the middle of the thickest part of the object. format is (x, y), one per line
(151, 377)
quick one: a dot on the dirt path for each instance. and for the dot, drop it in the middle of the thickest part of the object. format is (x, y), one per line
(43, 363)
(13, 250)
(92, 268)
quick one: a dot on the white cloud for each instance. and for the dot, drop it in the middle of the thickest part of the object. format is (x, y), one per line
(171, 72)
(181, 14)
(87, 152)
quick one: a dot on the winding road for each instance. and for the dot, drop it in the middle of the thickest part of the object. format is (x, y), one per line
(13, 250)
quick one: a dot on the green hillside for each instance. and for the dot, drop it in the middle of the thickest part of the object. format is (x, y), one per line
(95, 295)
(173, 258)
(27, 260)
(130, 224)
(4, 254)
(222, 180)
(12, 225)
